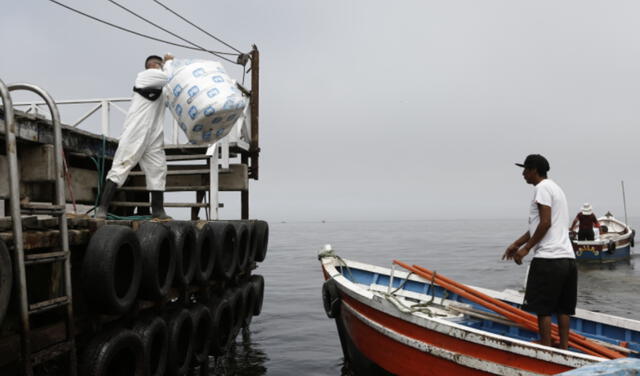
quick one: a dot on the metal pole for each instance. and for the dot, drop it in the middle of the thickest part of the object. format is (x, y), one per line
(105, 118)
(14, 203)
(175, 127)
(624, 203)
(213, 184)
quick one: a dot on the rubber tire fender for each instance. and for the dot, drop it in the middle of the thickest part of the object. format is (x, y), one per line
(253, 241)
(203, 329)
(611, 246)
(632, 240)
(226, 244)
(158, 260)
(262, 239)
(180, 325)
(154, 335)
(112, 269)
(223, 314)
(236, 300)
(121, 348)
(330, 299)
(243, 246)
(249, 296)
(6, 279)
(257, 282)
(205, 254)
(184, 237)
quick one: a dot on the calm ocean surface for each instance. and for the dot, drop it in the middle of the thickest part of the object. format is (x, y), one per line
(293, 336)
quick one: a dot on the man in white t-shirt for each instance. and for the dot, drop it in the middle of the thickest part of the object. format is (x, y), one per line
(552, 283)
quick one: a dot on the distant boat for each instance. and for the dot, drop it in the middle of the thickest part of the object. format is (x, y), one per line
(394, 322)
(612, 246)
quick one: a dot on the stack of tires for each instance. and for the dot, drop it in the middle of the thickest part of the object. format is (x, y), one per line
(181, 291)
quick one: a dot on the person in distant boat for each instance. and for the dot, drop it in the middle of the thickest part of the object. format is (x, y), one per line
(142, 140)
(587, 220)
(552, 282)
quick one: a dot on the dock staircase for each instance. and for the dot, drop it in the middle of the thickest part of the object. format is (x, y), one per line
(57, 258)
(191, 168)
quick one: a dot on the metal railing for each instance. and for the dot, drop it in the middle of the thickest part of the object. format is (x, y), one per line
(240, 135)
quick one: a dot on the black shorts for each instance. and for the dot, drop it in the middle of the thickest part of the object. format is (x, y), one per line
(586, 234)
(552, 286)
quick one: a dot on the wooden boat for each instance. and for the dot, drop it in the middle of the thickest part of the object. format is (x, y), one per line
(614, 245)
(394, 322)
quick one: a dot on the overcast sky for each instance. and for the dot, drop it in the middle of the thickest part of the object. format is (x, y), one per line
(375, 110)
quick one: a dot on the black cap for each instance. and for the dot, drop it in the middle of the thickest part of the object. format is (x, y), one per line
(536, 161)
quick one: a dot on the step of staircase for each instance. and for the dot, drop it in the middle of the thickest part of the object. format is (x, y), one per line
(199, 171)
(166, 204)
(183, 188)
(189, 157)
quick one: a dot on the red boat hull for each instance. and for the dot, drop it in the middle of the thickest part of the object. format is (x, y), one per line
(390, 343)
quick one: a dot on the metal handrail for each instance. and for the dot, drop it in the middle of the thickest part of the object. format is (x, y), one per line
(14, 205)
(14, 180)
(241, 134)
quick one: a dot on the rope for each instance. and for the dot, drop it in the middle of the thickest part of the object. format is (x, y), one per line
(334, 255)
(67, 175)
(167, 31)
(391, 297)
(138, 33)
(418, 307)
(197, 27)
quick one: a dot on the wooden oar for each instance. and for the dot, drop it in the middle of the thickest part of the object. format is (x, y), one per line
(520, 317)
(574, 338)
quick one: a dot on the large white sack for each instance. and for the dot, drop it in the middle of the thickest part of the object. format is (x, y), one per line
(203, 99)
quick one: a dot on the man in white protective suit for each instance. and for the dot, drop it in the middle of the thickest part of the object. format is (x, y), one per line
(142, 141)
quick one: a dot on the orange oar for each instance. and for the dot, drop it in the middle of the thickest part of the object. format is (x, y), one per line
(522, 321)
(573, 337)
(483, 296)
(518, 316)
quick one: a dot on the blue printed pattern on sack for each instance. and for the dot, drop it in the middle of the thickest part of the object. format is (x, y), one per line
(219, 132)
(216, 120)
(217, 79)
(213, 92)
(229, 104)
(198, 72)
(193, 112)
(231, 117)
(209, 111)
(194, 90)
(183, 126)
(197, 128)
(177, 90)
(206, 135)
(178, 110)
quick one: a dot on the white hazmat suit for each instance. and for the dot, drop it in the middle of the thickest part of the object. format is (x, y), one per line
(143, 138)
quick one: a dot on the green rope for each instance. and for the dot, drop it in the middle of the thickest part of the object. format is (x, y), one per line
(333, 254)
(418, 307)
(100, 161)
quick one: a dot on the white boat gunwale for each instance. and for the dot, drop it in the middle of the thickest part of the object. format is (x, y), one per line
(508, 295)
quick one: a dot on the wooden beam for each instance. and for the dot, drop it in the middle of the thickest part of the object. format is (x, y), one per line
(254, 148)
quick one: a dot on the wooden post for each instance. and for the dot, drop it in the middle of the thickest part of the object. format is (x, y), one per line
(254, 149)
(244, 195)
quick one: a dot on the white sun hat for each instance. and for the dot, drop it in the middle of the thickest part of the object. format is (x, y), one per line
(586, 209)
